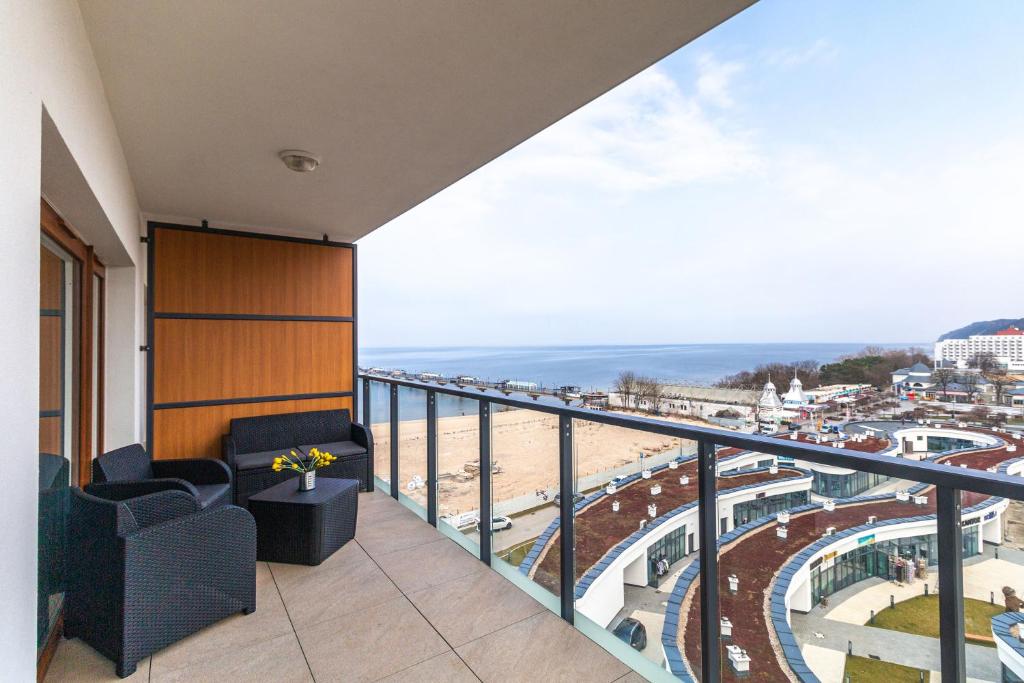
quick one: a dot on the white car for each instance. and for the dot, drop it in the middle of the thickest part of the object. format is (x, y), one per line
(498, 523)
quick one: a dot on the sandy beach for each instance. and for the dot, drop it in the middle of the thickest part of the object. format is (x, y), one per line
(525, 455)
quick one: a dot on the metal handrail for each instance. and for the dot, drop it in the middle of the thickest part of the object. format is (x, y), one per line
(950, 481)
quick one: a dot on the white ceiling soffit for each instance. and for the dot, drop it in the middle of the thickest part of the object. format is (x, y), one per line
(400, 99)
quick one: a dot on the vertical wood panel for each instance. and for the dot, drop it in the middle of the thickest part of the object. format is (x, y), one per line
(212, 273)
(50, 438)
(203, 360)
(50, 366)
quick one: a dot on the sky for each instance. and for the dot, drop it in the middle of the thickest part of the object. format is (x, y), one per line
(806, 172)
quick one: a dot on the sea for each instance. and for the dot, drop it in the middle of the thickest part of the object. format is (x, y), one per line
(589, 367)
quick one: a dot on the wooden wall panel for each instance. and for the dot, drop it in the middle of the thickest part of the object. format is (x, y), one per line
(50, 436)
(51, 396)
(203, 360)
(213, 273)
(196, 432)
(51, 280)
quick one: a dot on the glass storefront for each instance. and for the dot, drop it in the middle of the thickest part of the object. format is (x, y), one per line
(759, 507)
(830, 575)
(671, 548)
(845, 485)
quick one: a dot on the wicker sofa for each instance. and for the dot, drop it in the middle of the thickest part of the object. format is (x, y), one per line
(254, 442)
(146, 572)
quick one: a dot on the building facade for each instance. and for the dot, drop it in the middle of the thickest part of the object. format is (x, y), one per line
(1007, 346)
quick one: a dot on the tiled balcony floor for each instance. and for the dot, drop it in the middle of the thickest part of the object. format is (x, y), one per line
(400, 603)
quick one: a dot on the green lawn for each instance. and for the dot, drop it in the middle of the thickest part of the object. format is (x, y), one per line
(867, 670)
(920, 615)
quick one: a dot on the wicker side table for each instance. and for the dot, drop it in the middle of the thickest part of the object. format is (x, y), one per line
(304, 527)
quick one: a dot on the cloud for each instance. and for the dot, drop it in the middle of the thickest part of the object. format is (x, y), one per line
(820, 51)
(714, 79)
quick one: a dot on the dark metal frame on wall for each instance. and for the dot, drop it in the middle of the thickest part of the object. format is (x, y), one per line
(949, 482)
(152, 228)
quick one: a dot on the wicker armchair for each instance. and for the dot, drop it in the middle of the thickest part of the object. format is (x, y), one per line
(254, 442)
(130, 472)
(146, 572)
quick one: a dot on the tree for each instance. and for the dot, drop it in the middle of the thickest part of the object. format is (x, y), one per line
(986, 361)
(626, 386)
(652, 391)
(970, 383)
(999, 380)
(943, 377)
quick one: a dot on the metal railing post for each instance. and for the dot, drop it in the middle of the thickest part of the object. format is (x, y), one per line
(710, 626)
(394, 441)
(366, 423)
(951, 583)
(432, 457)
(485, 482)
(567, 541)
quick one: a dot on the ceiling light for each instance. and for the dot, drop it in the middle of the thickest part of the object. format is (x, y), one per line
(299, 161)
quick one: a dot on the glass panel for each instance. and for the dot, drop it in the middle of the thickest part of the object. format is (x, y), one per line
(57, 422)
(635, 533)
(524, 487)
(412, 448)
(806, 553)
(993, 559)
(458, 469)
(380, 421)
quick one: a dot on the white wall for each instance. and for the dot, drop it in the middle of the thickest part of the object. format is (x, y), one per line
(46, 61)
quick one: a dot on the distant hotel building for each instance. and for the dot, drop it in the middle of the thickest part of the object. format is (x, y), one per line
(1006, 345)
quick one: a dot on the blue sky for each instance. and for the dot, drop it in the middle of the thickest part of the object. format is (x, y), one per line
(808, 171)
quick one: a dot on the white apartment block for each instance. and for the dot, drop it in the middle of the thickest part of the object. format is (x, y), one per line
(1006, 345)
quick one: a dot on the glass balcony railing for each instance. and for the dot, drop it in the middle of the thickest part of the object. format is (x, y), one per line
(844, 557)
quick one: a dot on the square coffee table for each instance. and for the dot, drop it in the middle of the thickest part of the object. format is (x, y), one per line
(304, 527)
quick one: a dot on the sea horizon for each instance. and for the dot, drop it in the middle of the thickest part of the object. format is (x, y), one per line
(595, 366)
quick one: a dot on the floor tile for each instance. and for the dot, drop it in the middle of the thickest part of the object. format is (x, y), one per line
(631, 677)
(542, 648)
(378, 536)
(75, 661)
(447, 667)
(472, 606)
(269, 621)
(427, 565)
(347, 581)
(279, 660)
(370, 644)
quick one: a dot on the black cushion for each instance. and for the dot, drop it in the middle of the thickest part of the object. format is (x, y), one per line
(261, 459)
(130, 463)
(269, 432)
(211, 495)
(339, 449)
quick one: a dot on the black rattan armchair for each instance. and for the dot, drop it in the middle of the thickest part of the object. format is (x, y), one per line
(146, 572)
(130, 471)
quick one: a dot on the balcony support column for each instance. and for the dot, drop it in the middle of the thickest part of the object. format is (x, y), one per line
(707, 522)
(567, 542)
(951, 585)
(432, 457)
(485, 482)
(394, 441)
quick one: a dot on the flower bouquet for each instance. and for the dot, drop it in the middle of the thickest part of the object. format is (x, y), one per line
(306, 467)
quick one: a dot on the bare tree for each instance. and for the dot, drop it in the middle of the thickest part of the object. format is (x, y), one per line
(626, 387)
(998, 378)
(654, 392)
(943, 377)
(970, 383)
(986, 361)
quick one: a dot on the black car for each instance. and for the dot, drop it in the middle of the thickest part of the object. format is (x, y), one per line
(576, 497)
(631, 632)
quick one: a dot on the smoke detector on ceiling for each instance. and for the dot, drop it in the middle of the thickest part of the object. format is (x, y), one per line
(299, 161)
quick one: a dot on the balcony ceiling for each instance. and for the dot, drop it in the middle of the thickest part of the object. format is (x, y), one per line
(400, 99)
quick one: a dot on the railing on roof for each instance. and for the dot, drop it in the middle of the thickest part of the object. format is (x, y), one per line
(949, 483)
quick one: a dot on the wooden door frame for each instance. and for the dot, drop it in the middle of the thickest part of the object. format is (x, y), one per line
(54, 227)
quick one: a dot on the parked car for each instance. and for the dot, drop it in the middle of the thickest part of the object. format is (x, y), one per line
(497, 524)
(576, 497)
(617, 480)
(631, 632)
